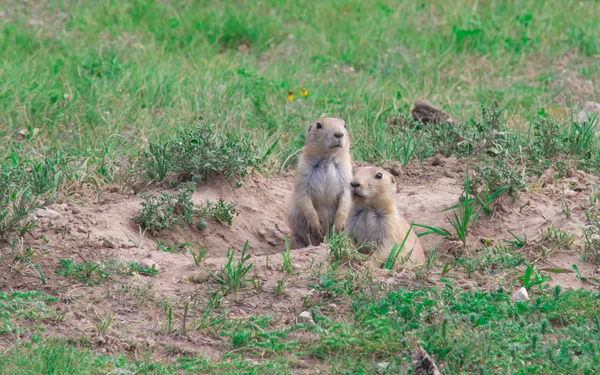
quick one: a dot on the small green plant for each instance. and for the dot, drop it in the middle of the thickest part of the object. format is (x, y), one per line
(518, 241)
(221, 211)
(287, 265)
(166, 211)
(233, 274)
(584, 278)
(466, 214)
(198, 254)
(565, 209)
(137, 268)
(531, 278)
(103, 324)
(557, 237)
(485, 199)
(396, 251)
(280, 287)
(163, 212)
(138, 243)
(341, 248)
(85, 272)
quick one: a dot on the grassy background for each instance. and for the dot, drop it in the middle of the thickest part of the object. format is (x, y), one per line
(85, 83)
(99, 78)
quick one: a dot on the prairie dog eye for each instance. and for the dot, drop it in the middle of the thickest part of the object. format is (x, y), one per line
(319, 125)
(345, 126)
(379, 176)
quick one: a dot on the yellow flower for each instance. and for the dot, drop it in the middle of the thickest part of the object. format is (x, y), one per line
(290, 95)
(304, 92)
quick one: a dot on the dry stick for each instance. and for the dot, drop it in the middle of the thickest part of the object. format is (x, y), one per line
(422, 363)
(288, 158)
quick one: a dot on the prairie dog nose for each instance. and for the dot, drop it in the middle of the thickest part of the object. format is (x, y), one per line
(338, 134)
(355, 184)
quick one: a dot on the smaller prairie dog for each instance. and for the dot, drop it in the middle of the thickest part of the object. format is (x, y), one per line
(321, 196)
(374, 216)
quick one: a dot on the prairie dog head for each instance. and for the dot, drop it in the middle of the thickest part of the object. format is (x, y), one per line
(327, 136)
(373, 187)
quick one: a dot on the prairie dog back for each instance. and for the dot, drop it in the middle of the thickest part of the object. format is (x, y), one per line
(321, 196)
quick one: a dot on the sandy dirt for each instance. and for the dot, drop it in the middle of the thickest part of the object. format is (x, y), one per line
(100, 227)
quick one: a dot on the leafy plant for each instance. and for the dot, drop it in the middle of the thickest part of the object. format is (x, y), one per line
(232, 275)
(85, 272)
(166, 211)
(221, 211)
(466, 214)
(198, 255)
(287, 265)
(531, 277)
(201, 153)
(518, 241)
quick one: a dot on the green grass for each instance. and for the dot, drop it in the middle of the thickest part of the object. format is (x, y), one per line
(100, 78)
(470, 331)
(95, 93)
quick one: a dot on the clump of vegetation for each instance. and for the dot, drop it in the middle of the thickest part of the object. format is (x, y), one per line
(166, 211)
(85, 272)
(200, 153)
(25, 186)
(232, 276)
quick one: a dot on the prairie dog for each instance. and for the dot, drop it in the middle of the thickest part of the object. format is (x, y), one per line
(374, 216)
(321, 196)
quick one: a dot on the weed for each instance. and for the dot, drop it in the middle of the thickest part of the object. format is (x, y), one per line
(396, 250)
(557, 237)
(85, 272)
(103, 324)
(140, 239)
(232, 275)
(287, 265)
(565, 209)
(198, 255)
(166, 211)
(466, 214)
(517, 241)
(281, 285)
(135, 267)
(221, 211)
(531, 278)
(341, 248)
(202, 153)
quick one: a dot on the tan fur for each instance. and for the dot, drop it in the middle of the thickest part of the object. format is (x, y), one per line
(374, 216)
(321, 196)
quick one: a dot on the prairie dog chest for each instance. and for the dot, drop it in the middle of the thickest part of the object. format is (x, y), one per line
(327, 180)
(368, 225)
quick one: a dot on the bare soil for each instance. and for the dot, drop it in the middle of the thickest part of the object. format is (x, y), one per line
(101, 227)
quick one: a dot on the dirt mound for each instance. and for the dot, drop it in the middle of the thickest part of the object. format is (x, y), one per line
(104, 228)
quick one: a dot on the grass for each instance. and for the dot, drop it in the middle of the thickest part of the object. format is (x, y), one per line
(95, 93)
(553, 333)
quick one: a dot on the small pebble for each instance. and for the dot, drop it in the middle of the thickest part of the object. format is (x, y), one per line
(46, 212)
(382, 366)
(148, 263)
(306, 317)
(76, 210)
(520, 295)
(83, 230)
(108, 243)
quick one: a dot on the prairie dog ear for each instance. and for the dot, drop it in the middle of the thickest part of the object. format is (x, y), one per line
(310, 128)
(393, 180)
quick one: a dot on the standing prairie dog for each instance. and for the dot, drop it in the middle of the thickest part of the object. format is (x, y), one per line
(374, 216)
(321, 196)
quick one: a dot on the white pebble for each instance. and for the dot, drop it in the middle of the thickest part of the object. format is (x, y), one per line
(520, 295)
